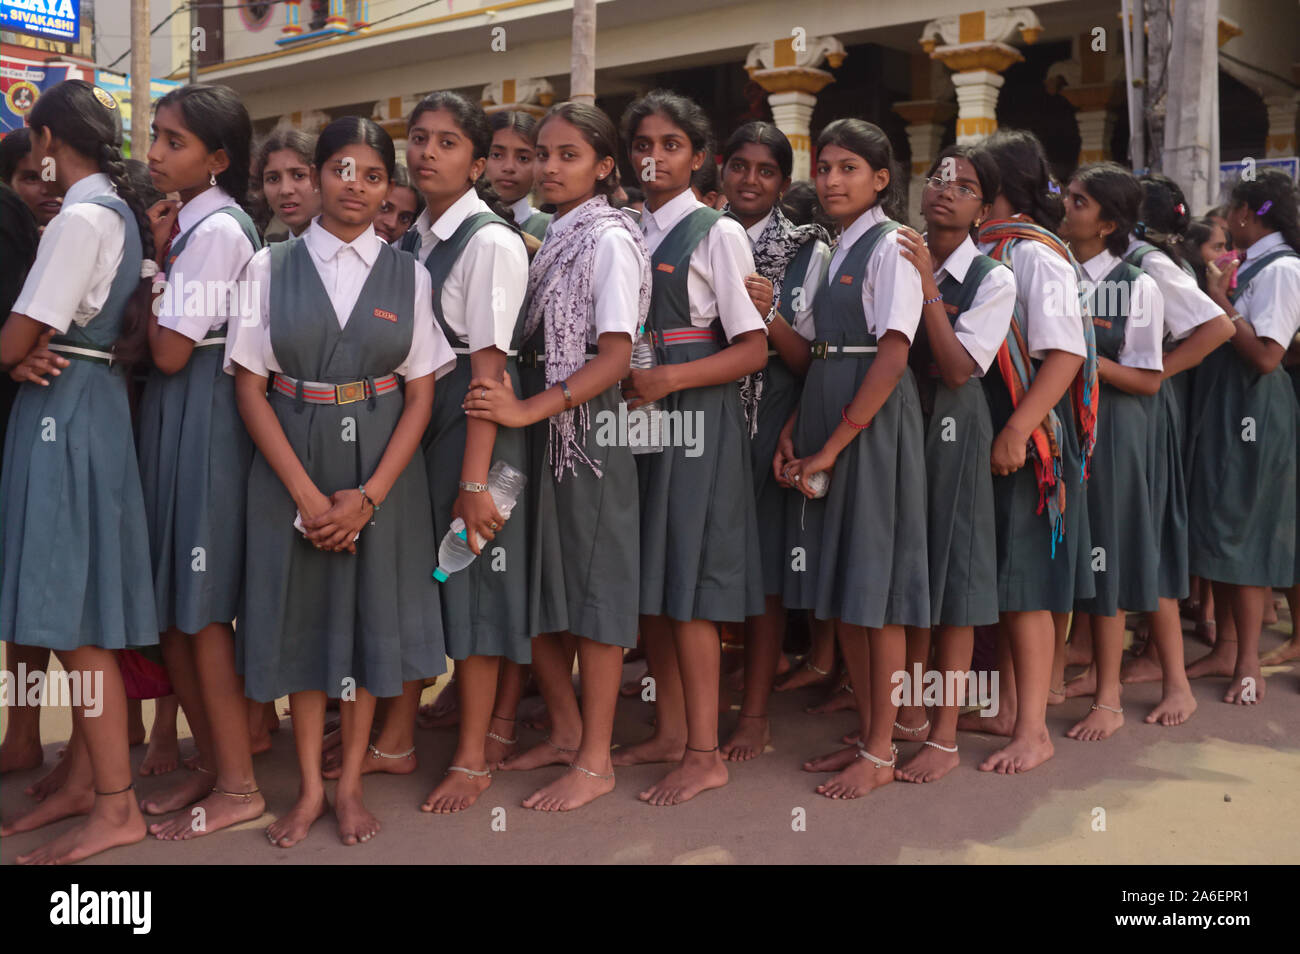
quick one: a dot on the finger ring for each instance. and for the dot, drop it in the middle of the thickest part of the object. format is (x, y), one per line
(492, 525)
(795, 478)
(482, 394)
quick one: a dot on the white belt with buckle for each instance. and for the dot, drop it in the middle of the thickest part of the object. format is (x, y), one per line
(821, 349)
(509, 354)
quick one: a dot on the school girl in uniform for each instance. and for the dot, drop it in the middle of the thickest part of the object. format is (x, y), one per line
(282, 176)
(791, 260)
(1241, 496)
(511, 168)
(1037, 399)
(193, 448)
(1194, 326)
(1102, 205)
(338, 600)
(74, 543)
(479, 273)
(859, 422)
(589, 291)
(400, 209)
(699, 532)
(961, 334)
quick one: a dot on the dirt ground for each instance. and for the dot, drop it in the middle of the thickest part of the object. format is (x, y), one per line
(1219, 789)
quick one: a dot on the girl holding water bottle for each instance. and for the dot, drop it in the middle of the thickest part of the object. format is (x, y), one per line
(338, 597)
(699, 531)
(589, 291)
(479, 270)
(861, 552)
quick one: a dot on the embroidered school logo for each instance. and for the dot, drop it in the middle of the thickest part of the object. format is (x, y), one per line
(846, 279)
(386, 315)
(664, 267)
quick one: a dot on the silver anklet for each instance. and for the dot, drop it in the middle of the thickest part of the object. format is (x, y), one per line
(376, 754)
(941, 748)
(486, 773)
(879, 763)
(912, 732)
(502, 739)
(807, 664)
(559, 748)
(1117, 711)
(590, 772)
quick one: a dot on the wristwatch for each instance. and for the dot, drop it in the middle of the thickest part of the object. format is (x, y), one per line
(770, 316)
(473, 487)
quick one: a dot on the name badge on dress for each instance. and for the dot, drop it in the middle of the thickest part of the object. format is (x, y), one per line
(386, 315)
(846, 279)
(665, 267)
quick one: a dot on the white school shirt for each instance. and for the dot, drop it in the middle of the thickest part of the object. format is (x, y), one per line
(715, 280)
(1047, 293)
(616, 276)
(1144, 331)
(493, 269)
(811, 279)
(891, 286)
(343, 268)
(78, 258)
(214, 256)
(1271, 302)
(1186, 306)
(522, 211)
(983, 326)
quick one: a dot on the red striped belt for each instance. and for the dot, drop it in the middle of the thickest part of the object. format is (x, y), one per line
(676, 336)
(315, 392)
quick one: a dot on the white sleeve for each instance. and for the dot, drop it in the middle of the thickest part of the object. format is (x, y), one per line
(1273, 301)
(65, 271)
(616, 283)
(730, 259)
(1144, 331)
(430, 353)
(214, 256)
(1048, 291)
(1186, 306)
(812, 279)
(891, 291)
(494, 272)
(983, 326)
(248, 340)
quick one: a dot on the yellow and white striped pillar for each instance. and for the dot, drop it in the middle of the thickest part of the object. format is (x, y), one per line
(973, 46)
(788, 69)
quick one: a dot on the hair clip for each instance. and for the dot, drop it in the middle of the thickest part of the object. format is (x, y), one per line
(1054, 188)
(1140, 229)
(1180, 209)
(1265, 207)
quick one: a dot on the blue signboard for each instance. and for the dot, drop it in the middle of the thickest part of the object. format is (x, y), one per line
(54, 19)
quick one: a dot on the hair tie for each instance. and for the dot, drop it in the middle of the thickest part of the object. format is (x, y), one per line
(148, 268)
(1140, 230)
(1265, 207)
(1180, 209)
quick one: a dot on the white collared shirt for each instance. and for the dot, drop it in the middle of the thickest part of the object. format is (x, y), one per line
(486, 286)
(522, 211)
(1271, 302)
(214, 256)
(343, 268)
(616, 278)
(891, 286)
(1186, 306)
(983, 326)
(810, 281)
(1047, 292)
(78, 258)
(1144, 330)
(715, 281)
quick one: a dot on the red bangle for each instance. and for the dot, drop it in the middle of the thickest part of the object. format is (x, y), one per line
(844, 416)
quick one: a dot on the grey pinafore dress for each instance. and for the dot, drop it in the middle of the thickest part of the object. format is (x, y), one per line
(1241, 489)
(962, 537)
(1168, 476)
(74, 564)
(585, 537)
(535, 225)
(485, 605)
(699, 531)
(859, 554)
(780, 395)
(313, 619)
(1034, 575)
(194, 458)
(1126, 557)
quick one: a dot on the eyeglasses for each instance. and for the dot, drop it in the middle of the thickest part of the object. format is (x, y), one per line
(943, 185)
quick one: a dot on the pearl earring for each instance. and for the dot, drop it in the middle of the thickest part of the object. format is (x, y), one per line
(212, 178)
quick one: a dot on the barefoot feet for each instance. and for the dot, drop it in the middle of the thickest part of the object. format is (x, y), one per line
(292, 828)
(573, 789)
(115, 820)
(929, 764)
(749, 741)
(697, 772)
(458, 790)
(1020, 754)
(184, 791)
(1101, 722)
(213, 813)
(861, 776)
(1175, 707)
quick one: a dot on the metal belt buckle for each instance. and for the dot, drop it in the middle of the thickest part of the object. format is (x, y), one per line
(350, 393)
(819, 349)
(530, 359)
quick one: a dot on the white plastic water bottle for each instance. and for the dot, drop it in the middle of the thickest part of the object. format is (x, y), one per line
(647, 440)
(505, 484)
